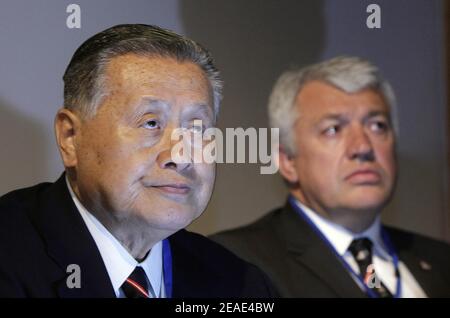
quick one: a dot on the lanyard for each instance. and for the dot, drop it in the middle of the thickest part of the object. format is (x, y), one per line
(386, 241)
(167, 267)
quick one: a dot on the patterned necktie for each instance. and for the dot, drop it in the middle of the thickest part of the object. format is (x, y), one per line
(136, 285)
(361, 250)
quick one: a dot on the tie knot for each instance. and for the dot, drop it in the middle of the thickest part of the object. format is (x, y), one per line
(361, 250)
(136, 286)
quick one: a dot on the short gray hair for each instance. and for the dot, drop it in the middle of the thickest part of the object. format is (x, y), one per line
(347, 73)
(84, 77)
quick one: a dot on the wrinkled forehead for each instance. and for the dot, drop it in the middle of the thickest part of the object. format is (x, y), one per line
(317, 99)
(191, 109)
(134, 71)
(131, 82)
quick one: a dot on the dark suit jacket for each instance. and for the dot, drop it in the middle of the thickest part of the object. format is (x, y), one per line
(42, 232)
(300, 264)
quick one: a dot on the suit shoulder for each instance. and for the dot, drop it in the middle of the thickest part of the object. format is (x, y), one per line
(20, 242)
(16, 213)
(199, 247)
(408, 237)
(263, 230)
(423, 245)
(21, 198)
(258, 242)
(263, 227)
(211, 262)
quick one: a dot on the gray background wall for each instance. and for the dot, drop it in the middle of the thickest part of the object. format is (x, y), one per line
(252, 41)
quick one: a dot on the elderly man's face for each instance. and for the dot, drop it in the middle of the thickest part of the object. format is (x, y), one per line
(124, 164)
(345, 149)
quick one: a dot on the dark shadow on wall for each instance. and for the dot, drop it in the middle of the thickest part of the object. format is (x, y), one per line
(252, 42)
(24, 150)
(413, 208)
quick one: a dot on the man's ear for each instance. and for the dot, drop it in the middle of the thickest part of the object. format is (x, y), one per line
(67, 129)
(287, 166)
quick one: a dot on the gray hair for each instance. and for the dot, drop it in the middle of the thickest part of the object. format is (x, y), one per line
(84, 82)
(349, 74)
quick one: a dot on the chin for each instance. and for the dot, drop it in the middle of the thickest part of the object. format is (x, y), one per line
(368, 196)
(368, 203)
(169, 219)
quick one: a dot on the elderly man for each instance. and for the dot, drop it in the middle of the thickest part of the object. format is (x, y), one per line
(111, 225)
(337, 155)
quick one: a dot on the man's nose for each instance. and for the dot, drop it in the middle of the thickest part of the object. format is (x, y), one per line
(360, 146)
(165, 159)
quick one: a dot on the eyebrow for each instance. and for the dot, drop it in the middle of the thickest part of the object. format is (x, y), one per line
(146, 102)
(145, 105)
(199, 108)
(338, 117)
(149, 103)
(341, 117)
(378, 113)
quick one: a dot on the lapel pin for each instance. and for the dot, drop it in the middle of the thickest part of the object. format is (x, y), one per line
(425, 265)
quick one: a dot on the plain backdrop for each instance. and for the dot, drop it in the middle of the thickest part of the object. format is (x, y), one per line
(253, 42)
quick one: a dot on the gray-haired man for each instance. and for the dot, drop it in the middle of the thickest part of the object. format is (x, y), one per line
(112, 225)
(337, 155)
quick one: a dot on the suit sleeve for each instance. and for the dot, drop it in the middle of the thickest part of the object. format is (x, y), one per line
(9, 285)
(258, 284)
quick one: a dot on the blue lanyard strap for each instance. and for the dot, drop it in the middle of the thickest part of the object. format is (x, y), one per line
(386, 241)
(391, 250)
(167, 267)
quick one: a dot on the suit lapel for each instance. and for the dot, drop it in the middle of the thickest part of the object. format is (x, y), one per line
(68, 242)
(190, 278)
(183, 273)
(432, 283)
(306, 248)
(422, 269)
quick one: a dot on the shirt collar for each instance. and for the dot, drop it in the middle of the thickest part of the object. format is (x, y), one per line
(341, 238)
(118, 261)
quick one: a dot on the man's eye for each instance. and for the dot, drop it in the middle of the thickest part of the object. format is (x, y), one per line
(196, 126)
(197, 129)
(151, 124)
(332, 130)
(379, 126)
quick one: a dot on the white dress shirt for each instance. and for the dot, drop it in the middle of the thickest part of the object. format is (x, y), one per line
(341, 238)
(118, 261)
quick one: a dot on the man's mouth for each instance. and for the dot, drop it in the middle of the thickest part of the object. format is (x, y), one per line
(174, 188)
(364, 177)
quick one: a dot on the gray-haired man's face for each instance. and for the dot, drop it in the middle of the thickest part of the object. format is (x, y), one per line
(124, 163)
(346, 150)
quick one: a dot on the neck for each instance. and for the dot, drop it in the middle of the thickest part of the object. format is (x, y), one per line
(348, 220)
(136, 239)
(354, 220)
(133, 234)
